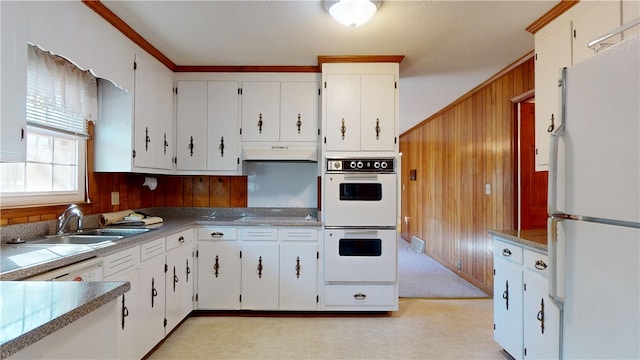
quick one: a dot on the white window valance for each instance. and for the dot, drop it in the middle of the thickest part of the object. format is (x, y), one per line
(60, 96)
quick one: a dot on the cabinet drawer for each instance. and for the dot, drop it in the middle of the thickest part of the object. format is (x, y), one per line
(298, 234)
(360, 295)
(508, 251)
(258, 233)
(177, 239)
(217, 233)
(151, 249)
(536, 262)
(121, 260)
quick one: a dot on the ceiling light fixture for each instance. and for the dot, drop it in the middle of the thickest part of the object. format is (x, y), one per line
(352, 13)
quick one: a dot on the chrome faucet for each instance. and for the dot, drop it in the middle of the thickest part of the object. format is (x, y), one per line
(63, 220)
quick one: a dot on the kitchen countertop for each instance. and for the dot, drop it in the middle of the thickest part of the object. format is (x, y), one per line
(32, 310)
(43, 258)
(533, 238)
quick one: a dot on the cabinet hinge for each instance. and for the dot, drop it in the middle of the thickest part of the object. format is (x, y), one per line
(21, 133)
(494, 326)
(317, 254)
(239, 91)
(133, 153)
(395, 140)
(325, 84)
(395, 84)
(318, 131)
(196, 297)
(325, 139)
(525, 351)
(241, 254)
(165, 322)
(240, 131)
(317, 299)
(197, 253)
(135, 65)
(536, 56)
(166, 268)
(240, 297)
(574, 33)
(175, 90)
(494, 272)
(319, 92)
(536, 151)
(238, 161)
(524, 287)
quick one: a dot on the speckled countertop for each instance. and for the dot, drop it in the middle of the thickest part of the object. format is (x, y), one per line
(533, 238)
(32, 310)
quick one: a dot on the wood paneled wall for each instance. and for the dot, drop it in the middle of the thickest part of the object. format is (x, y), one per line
(455, 153)
(190, 191)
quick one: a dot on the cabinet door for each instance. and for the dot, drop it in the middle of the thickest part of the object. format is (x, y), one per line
(553, 52)
(541, 319)
(377, 123)
(597, 19)
(260, 275)
(260, 111)
(299, 111)
(153, 114)
(298, 276)
(223, 133)
(130, 316)
(342, 130)
(191, 125)
(179, 285)
(218, 275)
(14, 81)
(507, 306)
(152, 298)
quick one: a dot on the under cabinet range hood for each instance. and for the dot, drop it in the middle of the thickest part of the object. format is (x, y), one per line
(279, 153)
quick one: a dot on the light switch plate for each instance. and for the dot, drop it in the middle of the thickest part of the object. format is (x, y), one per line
(115, 198)
(487, 189)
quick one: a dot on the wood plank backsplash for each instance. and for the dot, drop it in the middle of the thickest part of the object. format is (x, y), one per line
(453, 155)
(190, 191)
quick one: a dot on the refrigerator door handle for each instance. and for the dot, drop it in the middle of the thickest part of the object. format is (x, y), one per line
(552, 207)
(553, 261)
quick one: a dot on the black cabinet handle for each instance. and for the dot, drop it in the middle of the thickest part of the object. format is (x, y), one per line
(154, 292)
(506, 252)
(298, 267)
(260, 123)
(125, 311)
(540, 316)
(260, 267)
(216, 267)
(299, 123)
(505, 294)
(190, 146)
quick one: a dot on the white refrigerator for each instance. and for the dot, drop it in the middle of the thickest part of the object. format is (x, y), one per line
(594, 206)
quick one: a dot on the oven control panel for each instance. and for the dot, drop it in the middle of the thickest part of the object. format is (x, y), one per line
(379, 165)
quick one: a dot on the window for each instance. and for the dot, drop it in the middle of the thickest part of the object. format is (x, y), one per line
(61, 99)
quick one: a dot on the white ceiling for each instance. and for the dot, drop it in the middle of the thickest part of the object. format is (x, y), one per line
(449, 46)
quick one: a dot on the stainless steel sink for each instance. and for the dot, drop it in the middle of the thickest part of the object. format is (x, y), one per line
(88, 237)
(75, 239)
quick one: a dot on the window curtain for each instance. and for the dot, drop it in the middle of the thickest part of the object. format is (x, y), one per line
(60, 96)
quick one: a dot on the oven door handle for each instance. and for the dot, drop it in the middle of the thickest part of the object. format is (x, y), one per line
(360, 232)
(361, 177)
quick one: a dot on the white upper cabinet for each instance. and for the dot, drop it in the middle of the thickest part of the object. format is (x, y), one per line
(191, 125)
(222, 131)
(274, 111)
(361, 106)
(14, 81)
(260, 111)
(207, 125)
(153, 116)
(300, 102)
(563, 43)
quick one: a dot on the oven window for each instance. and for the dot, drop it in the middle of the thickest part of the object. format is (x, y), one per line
(360, 192)
(360, 247)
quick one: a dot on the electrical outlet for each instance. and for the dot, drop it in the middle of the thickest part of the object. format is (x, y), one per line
(115, 198)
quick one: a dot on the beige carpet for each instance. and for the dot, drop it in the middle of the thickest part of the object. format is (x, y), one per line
(419, 276)
(421, 329)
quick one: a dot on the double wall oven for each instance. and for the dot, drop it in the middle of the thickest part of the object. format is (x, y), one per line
(360, 216)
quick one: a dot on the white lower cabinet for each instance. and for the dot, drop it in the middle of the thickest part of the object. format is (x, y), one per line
(179, 278)
(257, 268)
(151, 309)
(218, 264)
(260, 267)
(526, 321)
